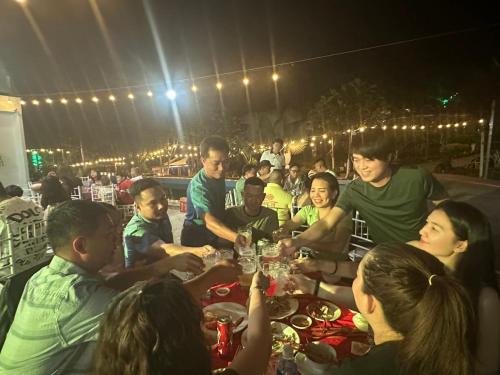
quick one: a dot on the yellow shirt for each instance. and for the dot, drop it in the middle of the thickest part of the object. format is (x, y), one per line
(279, 200)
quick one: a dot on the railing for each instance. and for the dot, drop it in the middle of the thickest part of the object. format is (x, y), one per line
(360, 242)
(231, 198)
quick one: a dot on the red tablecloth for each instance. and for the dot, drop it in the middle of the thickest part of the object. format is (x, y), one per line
(341, 344)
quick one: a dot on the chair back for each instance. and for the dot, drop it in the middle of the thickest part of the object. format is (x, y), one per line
(76, 193)
(104, 194)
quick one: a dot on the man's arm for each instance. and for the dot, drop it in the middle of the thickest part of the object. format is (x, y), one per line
(159, 248)
(316, 232)
(217, 227)
(182, 262)
(254, 358)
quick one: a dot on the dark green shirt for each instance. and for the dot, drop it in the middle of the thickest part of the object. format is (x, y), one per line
(262, 225)
(380, 360)
(397, 210)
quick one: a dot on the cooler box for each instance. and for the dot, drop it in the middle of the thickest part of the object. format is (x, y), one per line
(183, 204)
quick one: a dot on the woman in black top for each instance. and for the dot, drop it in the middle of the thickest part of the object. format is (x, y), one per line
(422, 319)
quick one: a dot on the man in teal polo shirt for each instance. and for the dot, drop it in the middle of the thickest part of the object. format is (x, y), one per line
(56, 325)
(148, 235)
(206, 197)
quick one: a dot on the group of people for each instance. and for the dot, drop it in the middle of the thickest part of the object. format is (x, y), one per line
(107, 304)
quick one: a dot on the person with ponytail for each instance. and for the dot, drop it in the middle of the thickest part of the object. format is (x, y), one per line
(422, 319)
(459, 235)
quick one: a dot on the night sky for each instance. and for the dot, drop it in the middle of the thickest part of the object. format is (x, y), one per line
(73, 55)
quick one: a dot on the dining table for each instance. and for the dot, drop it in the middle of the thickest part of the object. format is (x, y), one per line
(342, 334)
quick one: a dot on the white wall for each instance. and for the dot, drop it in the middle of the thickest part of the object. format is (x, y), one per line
(13, 161)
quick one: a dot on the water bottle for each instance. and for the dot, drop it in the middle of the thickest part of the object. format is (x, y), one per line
(287, 365)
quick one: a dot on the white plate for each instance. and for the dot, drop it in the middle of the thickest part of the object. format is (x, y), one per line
(360, 322)
(293, 306)
(305, 368)
(331, 306)
(234, 310)
(278, 328)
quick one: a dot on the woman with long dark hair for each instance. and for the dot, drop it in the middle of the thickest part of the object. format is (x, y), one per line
(422, 319)
(155, 328)
(459, 235)
(53, 194)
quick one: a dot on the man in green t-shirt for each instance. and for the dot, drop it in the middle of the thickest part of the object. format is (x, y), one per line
(263, 220)
(392, 200)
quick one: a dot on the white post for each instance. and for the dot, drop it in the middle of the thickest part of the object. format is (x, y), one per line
(490, 135)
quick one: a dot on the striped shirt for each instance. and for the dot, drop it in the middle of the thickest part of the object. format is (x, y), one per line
(57, 321)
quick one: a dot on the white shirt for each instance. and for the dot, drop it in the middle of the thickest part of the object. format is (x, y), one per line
(17, 214)
(277, 160)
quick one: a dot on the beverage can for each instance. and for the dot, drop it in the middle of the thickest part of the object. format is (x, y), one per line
(224, 336)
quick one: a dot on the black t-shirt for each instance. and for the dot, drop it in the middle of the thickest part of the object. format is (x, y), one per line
(380, 360)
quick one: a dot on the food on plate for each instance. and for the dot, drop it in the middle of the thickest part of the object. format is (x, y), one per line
(300, 321)
(277, 306)
(280, 339)
(319, 353)
(321, 311)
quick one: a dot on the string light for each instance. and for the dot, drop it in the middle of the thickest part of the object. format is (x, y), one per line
(48, 101)
(384, 127)
(246, 81)
(64, 101)
(448, 125)
(150, 93)
(422, 127)
(79, 101)
(481, 121)
(404, 127)
(35, 102)
(194, 88)
(219, 86)
(275, 77)
(395, 127)
(23, 102)
(413, 127)
(440, 126)
(112, 98)
(131, 96)
(95, 99)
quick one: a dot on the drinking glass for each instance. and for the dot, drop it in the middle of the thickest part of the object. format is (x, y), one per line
(249, 267)
(247, 233)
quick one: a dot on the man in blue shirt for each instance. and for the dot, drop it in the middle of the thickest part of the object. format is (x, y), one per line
(148, 235)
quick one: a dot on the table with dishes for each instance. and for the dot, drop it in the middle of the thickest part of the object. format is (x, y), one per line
(321, 333)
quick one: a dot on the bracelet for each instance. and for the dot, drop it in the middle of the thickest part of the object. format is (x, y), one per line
(335, 270)
(316, 287)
